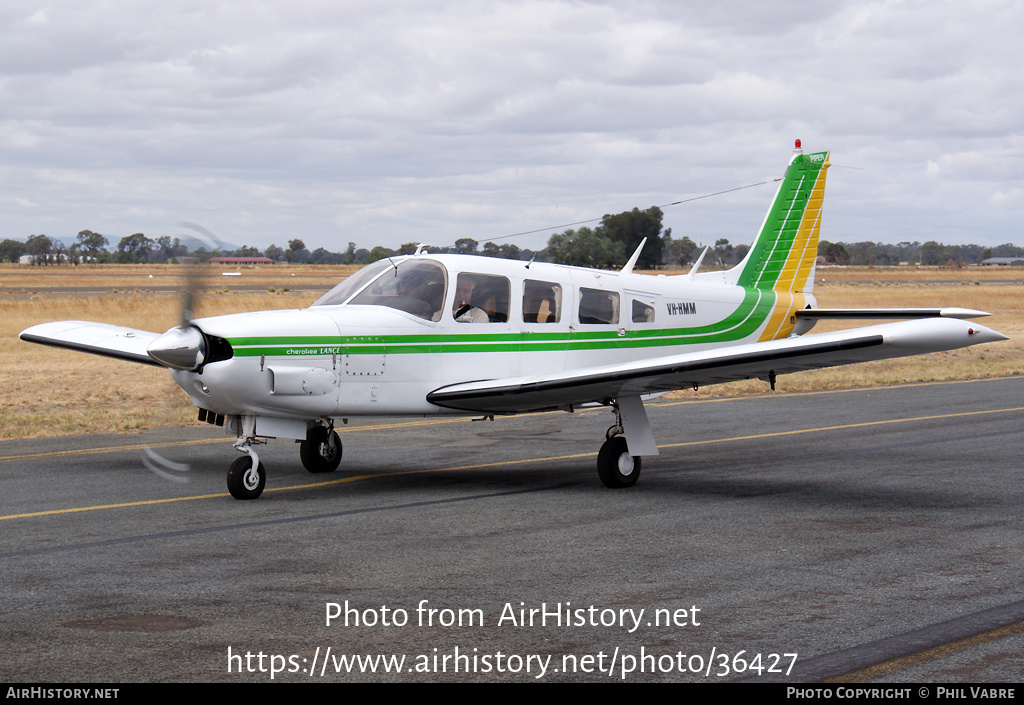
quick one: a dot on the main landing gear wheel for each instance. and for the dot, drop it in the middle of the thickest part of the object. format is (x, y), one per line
(321, 451)
(244, 481)
(615, 466)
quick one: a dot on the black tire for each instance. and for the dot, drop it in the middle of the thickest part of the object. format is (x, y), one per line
(316, 453)
(615, 466)
(243, 481)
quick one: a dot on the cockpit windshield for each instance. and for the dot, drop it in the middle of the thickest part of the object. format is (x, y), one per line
(353, 283)
(415, 286)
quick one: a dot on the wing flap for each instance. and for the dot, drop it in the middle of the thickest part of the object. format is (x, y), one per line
(562, 390)
(103, 339)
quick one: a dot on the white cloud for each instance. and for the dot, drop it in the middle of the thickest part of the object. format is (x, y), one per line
(434, 120)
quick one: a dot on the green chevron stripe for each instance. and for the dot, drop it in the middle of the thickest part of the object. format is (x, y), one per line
(771, 249)
(744, 321)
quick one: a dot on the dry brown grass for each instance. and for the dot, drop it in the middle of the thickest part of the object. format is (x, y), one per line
(947, 275)
(50, 392)
(144, 276)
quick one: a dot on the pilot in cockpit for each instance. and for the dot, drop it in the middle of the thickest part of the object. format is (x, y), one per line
(463, 309)
(418, 290)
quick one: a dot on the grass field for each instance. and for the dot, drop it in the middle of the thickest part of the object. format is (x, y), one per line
(51, 392)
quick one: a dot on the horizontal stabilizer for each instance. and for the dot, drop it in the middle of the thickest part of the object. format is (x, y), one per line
(96, 338)
(875, 313)
(756, 360)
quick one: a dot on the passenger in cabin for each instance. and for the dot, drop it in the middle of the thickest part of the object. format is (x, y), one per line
(463, 309)
(539, 304)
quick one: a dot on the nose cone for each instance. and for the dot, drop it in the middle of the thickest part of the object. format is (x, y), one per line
(183, 348)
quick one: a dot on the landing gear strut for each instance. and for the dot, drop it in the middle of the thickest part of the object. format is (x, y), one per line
(321, 451)
(616, 466)
(247, 476)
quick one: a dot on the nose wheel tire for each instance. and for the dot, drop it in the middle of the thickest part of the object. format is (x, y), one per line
(615, 466)
(245, 481)
(318, 453)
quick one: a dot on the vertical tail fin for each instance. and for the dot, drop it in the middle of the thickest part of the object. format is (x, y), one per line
(783, 255)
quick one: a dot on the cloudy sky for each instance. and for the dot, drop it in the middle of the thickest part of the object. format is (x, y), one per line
(426, 121)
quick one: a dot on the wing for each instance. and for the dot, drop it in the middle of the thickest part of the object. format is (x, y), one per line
(96, 338)
(755, 360)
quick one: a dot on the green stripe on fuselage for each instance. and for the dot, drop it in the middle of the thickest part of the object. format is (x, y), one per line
(744, 321)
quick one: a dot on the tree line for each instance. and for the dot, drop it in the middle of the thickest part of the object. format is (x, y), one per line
(606, 245)
(929, 253)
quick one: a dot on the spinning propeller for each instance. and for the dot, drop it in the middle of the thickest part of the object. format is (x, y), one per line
(184, 347)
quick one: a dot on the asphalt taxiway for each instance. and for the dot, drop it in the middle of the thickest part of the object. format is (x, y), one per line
(876, 534)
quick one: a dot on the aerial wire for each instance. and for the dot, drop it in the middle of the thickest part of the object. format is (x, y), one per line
(666, 205)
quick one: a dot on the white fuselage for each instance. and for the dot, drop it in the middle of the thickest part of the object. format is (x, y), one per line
(358, 358)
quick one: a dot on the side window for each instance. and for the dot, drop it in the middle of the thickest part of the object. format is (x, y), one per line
(542, 302)
(642, 313)
(597, 306)
(481, 298)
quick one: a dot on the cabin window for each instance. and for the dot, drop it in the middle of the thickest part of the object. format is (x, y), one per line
(642, 313)
(542, 302)
(481, 298)
(598, 306)
(415, 286)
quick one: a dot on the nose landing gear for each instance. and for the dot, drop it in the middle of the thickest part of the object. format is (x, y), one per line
(246, 479)
(247, 476)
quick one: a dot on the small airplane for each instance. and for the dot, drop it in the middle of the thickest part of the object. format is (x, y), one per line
(459, 334)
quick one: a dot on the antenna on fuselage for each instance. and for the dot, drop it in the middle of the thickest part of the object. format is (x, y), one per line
(632, 260)
(420, 249)
(696, 265)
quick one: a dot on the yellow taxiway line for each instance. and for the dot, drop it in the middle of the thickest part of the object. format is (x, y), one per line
(474, 466)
